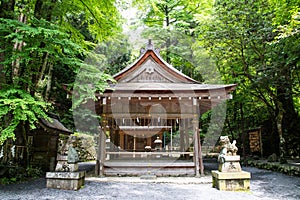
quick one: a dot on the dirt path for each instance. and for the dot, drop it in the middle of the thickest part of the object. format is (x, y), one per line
(264, 185)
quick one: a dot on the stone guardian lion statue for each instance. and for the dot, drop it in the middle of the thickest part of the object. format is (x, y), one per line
(227, 148)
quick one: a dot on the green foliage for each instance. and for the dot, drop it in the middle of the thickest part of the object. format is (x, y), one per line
(40, 37)
(6, 181)
(260, 52)
(284, 10)
(33, 172)
(84, 145)
(100, 18)
(115, 54)
(172, 25)
(254, 44)
(17, 106)
(90, 79)
(46, 38)
(15, 173)
(109, 57)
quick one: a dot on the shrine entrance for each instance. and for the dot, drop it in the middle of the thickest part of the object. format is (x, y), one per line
(150, 119)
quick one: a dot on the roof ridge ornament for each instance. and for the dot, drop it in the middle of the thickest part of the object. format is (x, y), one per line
(149, 46)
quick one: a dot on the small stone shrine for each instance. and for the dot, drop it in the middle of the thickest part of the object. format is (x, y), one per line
(230, 176)
(66, 175)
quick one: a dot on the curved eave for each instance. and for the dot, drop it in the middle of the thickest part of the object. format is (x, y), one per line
(54, 126)
(169, 87)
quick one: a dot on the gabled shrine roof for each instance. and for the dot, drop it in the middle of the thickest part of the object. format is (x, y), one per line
(150, 72)
(150, 67)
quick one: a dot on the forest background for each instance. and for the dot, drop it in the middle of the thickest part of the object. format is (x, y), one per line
(254, 43)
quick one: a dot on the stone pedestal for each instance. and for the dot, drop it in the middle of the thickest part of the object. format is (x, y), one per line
(231, 181)
(63, 165)
(231, 164)
(66, 175)
(230, 175)
(65, 180)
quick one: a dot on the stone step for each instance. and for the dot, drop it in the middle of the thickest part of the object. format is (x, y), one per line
(139, 171)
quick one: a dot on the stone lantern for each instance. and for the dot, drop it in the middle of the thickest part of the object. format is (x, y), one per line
(158, 144)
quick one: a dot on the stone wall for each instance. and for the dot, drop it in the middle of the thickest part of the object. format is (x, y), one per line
(85, 146)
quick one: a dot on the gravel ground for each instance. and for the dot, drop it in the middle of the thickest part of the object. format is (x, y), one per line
(264, 185)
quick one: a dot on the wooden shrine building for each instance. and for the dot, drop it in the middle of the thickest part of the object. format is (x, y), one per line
(150, 119)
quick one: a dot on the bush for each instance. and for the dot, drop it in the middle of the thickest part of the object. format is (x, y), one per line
(15, 173)
(85, 146)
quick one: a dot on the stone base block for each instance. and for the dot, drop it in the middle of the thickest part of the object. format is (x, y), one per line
(231, 181)
(230, 164)
(148, 177)
(65, 180)
(65, 166)
(230, 167)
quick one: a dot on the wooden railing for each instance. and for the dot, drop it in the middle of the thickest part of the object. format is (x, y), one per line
(149, 154)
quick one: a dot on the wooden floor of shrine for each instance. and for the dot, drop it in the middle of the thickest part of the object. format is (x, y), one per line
(144, 166)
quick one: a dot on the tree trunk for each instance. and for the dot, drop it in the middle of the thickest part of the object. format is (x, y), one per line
(18, 47)
(243, 130)
(42, 71)
(43, 10)
(25, 130)
(282, 157)
(168, 42)
(49, 82)
(287, 116)
(290, 129)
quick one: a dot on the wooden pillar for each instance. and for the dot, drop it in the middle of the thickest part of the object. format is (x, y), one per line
(187, 138)
(112, 130)
(181, 132)
(171, 142)
(122, 140)
(197, 144)
(101, 150)
(116, 140)
(101, 141)
(149, 142)
(200, 151)
(134, 145)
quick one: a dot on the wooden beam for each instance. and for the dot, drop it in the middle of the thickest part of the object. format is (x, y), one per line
(147, 116)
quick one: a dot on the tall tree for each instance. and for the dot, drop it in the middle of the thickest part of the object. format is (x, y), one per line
(241, 36)
(172, 25)
(38, 38)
